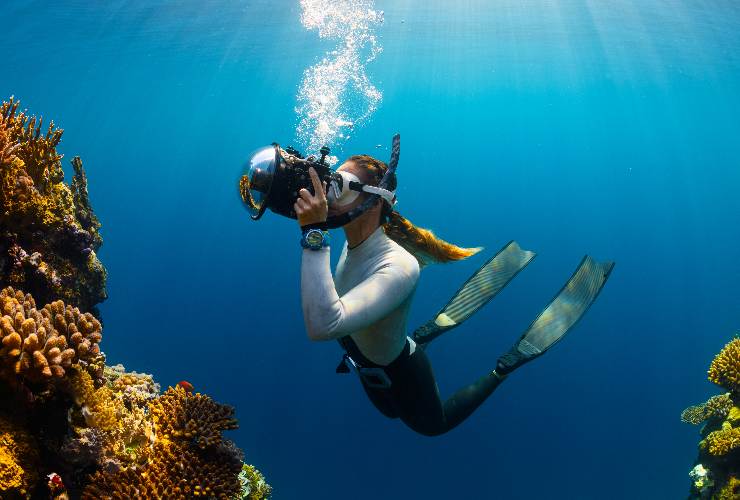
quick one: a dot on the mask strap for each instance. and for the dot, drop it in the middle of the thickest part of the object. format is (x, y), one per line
(389, 196)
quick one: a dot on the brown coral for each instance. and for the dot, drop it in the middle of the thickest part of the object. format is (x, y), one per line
(725, 368)
(40, 344)
(48, 232)
(18, 459)
(715, 407)
(179, 414)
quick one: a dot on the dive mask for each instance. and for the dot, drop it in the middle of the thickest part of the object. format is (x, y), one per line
(274, 176)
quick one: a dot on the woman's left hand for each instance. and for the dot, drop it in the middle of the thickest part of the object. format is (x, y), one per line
(312, 208)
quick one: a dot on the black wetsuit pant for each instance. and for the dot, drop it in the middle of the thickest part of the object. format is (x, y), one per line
(414, 396)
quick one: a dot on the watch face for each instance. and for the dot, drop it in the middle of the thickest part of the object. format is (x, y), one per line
(314, 238)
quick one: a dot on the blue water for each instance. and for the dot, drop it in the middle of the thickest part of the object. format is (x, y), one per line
(571, 126)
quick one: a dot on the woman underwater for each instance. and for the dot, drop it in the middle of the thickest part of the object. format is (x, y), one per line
(366, 305)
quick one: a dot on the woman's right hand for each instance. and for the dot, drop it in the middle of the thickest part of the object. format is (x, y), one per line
(312, 208)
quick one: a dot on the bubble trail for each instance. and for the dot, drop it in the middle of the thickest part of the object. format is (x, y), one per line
(335, 94)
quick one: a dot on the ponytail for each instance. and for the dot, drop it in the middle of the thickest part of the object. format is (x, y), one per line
(422, 243)
(419, 242)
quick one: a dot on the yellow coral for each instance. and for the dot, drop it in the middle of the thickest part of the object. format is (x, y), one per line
(40, 345)
(725, 368)
(98, 405)
(179, 414)
(730, 491)
(722, 441)
(18, 459)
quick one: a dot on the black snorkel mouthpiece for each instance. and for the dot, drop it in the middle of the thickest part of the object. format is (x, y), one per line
(274, 176)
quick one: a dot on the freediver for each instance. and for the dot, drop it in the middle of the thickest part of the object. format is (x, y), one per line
(366, 305)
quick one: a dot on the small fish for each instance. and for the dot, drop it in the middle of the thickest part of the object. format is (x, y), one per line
(186, 385)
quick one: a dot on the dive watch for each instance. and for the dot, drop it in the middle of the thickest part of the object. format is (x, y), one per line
(315, 239)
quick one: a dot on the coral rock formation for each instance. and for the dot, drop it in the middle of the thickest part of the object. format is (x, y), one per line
(79, 428)
(40, 344)
(718, 465)
(48, 232)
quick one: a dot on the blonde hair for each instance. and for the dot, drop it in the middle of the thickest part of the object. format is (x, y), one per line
(419, 242)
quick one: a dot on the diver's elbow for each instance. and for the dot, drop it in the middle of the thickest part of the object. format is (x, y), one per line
(317, 335)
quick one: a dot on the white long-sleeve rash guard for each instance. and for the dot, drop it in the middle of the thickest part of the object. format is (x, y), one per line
(369, 298)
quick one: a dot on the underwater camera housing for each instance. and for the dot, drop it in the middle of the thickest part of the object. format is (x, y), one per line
(274, 176)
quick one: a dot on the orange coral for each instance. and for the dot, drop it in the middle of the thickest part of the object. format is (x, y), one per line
(181, 414)
(39, 345)
(725, 368)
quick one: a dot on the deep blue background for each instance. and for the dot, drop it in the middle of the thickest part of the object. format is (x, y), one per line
(576, 126)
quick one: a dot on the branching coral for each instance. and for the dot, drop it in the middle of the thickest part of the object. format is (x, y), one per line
(48, 232)
(253, 484)
(725, 368)
(40, 344)
(179, 414)
(18, 459)
(715, 407)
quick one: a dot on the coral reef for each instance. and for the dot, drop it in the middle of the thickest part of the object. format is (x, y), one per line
(70, 426)
(49, 234)
(717, 467)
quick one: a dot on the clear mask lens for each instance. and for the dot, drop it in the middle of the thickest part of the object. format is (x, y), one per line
(341, 196)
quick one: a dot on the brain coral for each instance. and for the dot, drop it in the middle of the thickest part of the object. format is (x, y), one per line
(40, 344)
(48, 232)
(179, 414)
(725, 368)
(715, 407)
